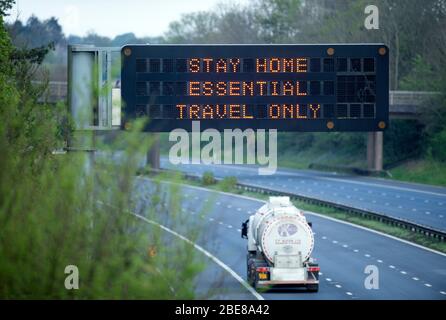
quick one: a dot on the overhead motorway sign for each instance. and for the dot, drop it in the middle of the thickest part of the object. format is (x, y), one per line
(327, 87)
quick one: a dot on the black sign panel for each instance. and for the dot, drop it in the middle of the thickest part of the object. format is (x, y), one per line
(342, 87)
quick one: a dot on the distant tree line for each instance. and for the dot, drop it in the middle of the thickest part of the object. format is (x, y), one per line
(414, 30)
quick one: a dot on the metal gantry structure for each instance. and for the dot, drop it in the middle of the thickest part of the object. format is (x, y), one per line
(95, 101)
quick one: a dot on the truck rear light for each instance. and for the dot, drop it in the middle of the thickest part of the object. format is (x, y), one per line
(262, 269)
(313, 269)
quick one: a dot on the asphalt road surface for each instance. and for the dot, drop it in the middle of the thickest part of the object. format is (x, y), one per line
(422, 204)
(343, 251)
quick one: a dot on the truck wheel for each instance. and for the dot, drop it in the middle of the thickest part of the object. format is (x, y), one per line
(250, 270)
(313, 287)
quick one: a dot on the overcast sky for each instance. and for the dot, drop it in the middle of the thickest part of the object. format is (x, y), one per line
(112, 17)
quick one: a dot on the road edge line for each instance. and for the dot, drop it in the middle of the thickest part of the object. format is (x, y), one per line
(317, 214)
(206, 253)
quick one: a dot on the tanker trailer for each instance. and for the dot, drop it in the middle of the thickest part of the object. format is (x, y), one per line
(280, 243)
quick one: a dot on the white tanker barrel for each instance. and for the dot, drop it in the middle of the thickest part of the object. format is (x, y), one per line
(281, 230)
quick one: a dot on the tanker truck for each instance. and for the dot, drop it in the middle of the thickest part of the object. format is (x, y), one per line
(280, 242)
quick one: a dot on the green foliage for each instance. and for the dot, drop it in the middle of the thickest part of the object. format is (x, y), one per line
(422, 77)
(74, 209)
(438, 146)
(5, 6)
(227, 184)
(208, 179)
(417, 61)
(427, 171)
(403, 140)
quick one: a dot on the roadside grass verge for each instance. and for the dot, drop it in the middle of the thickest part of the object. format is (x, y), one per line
(421, 171)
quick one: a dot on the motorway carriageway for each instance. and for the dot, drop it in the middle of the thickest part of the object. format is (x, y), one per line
(343, 251)
(422, 204)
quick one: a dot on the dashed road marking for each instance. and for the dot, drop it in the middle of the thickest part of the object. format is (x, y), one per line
(428, 285)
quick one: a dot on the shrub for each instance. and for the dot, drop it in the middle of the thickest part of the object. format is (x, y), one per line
(208, 179)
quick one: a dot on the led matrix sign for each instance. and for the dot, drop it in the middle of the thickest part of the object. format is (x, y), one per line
(284, 87)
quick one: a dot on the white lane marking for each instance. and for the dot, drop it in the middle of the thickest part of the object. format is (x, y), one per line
(207, 253)
(320, 273)
(379, 261)
(345, 246)
(211, 219)
(239, 209)
(220, 222)
(427, 212)
(367, 255)
(334, 241)
(377, 232)
(392, 267)
(338, 286)
(229, 226)
(403, 272)
(311, 213)
(349, 293)
(239, 230)
(428, 285)
(415, 278)
(356, 250)
(367, 184)
(328, 279)
(442, 292)
(324, 237)
(229, 206)
(218, 203)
